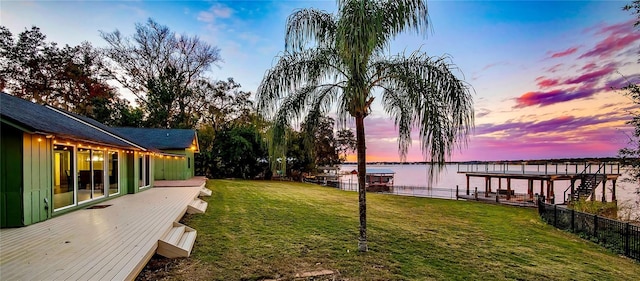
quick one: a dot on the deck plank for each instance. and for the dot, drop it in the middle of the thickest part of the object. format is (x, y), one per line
(99, 244)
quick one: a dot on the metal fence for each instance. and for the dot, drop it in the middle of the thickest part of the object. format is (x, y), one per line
(417, 191)
(620, 237)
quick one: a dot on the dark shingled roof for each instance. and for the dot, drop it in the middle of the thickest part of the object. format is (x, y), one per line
(43, 119)
(160, 138)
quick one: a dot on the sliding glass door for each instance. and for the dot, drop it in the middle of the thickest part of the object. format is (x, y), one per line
(63, 177)
(90, 165)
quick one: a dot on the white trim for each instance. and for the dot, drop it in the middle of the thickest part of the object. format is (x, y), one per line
(92, 126)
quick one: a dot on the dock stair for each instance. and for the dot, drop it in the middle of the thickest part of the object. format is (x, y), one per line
(588, 184)
(197, 206)
(177, 242)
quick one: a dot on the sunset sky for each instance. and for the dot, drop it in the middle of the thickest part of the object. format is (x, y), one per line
(541, 71)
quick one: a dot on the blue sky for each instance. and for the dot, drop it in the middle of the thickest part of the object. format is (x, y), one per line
(541, 70)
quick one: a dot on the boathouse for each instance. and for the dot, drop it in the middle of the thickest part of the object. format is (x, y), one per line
(379, 180)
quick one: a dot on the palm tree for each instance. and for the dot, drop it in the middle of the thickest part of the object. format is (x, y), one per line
(338, 60)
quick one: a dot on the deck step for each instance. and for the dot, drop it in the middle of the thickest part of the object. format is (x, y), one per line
(205, 192)
(178, 241)
(197, 206)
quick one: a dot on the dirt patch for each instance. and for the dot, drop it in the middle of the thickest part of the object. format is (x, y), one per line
(163, 269)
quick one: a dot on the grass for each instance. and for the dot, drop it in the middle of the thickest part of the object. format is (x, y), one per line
(255, 230)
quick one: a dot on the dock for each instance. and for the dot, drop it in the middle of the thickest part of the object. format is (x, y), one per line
(583, 177)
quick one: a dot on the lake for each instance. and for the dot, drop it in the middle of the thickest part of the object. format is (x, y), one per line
(413, 180)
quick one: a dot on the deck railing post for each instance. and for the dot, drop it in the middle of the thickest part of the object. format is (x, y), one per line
(467, 187)
(476, 194)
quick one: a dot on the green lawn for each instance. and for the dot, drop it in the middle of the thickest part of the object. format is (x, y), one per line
(256, 230)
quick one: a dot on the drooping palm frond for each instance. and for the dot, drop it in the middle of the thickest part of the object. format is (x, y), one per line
(307, 26)
(295, 70)
(422, 92)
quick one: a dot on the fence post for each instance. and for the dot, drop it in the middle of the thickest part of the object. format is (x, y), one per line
(555, 215)
(456, 192)
(595, 227)
(573, 219)
(627, 233)
(476, 194)
(498, 197)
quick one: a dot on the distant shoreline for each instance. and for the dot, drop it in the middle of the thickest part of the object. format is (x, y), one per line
(530, 161)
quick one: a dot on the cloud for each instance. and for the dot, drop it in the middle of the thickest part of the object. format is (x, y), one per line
(542, 98)
(563, 53)
(482, 112)
(554, 68)
(544, 82)
(592, 77)
(562, 124)
(618, 37)
(217, 11)
(588, 88)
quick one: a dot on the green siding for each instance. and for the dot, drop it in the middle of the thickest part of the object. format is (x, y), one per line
(38, 178)
(169, 168)
(131, 173)
(11, 209)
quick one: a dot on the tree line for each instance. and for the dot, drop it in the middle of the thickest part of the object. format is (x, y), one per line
(167, 74)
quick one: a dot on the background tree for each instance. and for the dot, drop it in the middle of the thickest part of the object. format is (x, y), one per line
(341, 59)
(153, 48)
(631, 154)
(634, 7)
(70, 78)
(346, 143)
(321, 141)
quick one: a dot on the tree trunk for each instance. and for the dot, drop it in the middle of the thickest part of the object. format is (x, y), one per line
(362, 191)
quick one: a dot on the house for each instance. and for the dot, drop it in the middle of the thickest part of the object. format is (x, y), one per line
(177, 145)
(53, 161)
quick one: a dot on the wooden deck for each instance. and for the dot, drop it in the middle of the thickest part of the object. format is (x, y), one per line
(113, 243)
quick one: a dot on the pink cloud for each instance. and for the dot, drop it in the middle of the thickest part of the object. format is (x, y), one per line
(618, 37)
(546, 83)
(593, 76)
(589, 66)
(564, 53)
(542, 98)
(555, 68)
(611, 45)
